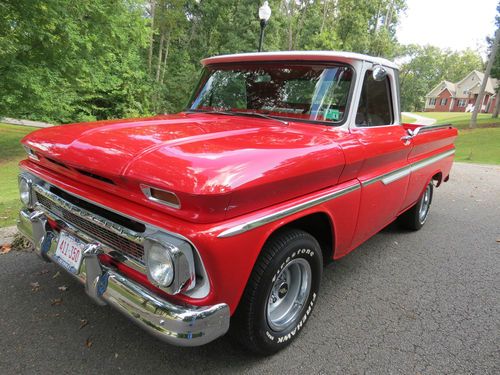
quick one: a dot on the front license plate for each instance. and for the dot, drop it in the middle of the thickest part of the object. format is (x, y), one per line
(69, 252)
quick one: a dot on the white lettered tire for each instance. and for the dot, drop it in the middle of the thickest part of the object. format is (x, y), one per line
(281, 292)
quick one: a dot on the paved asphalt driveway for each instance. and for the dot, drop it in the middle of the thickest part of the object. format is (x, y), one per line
(411, 303)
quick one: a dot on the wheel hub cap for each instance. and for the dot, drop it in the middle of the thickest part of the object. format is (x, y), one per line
(288, 295)
(283, 290)
(425, 204)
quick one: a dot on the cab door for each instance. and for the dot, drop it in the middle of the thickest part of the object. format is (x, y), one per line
(382, 140)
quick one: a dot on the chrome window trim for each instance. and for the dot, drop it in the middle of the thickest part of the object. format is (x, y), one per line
(386, 179)
(286, 212)
(396, 116)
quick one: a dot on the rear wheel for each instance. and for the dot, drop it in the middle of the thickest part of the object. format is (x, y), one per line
(281, 292)
(415, 217)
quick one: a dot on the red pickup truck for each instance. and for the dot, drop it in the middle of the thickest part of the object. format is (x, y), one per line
(227, 212)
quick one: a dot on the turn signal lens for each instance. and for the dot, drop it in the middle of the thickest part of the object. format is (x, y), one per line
(165, 196)
(161, 196)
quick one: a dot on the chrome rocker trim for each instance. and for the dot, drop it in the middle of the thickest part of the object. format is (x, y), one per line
(174, 324)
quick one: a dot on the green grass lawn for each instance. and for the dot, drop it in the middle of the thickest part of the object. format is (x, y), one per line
(11, 152)
(480, 145)
(460, 119)
(407, 120)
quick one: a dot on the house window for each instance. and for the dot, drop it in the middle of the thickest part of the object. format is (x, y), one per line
(462, 102)
(432, 101)
(444, 101)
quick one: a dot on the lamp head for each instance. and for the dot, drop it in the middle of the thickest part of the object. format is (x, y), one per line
(265, 12)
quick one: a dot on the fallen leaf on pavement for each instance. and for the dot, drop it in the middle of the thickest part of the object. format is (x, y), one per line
(88, 343)
(56, 301)
(6, 247)
(83, 323)
(116, 355)
(498, 239)
(43, 272)
(35, 286)
(56, 274)
(63, 288)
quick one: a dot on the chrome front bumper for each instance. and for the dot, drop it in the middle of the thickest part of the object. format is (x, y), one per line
(174, 324)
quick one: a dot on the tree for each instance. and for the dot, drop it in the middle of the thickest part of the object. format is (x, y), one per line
(67, 61)
(63, 61)
(424, 67)
(480, 97)
(495, 69)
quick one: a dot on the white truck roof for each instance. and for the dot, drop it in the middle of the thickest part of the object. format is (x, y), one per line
(299, 56)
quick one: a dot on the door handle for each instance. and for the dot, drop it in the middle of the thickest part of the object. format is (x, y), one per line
(407, 139)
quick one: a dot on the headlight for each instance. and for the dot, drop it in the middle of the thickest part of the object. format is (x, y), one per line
(159, 264)
(169, 263)
(25, 190)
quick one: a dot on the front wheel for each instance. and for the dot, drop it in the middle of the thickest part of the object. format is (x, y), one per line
(281, 292)
(415, 217)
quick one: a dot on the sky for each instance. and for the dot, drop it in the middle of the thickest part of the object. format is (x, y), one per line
(453, 24)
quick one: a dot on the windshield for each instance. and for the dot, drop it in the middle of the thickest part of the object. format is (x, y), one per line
(295, 91)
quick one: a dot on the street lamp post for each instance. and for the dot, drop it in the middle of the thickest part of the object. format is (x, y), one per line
(264, 15)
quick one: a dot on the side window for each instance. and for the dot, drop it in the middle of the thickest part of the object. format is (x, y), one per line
(375, 104)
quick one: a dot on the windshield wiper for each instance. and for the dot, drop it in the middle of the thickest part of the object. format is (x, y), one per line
(235, 113)
(258, 114)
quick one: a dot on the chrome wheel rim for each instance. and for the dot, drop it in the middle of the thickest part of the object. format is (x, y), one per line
(424, 205)
(288, 294)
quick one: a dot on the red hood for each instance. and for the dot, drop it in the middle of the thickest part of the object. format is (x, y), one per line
(220, 166)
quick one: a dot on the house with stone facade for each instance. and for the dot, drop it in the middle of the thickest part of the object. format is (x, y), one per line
(461, 96)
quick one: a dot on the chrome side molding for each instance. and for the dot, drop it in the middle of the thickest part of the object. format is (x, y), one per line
(397, 174)
(286, 212)
(385, 178)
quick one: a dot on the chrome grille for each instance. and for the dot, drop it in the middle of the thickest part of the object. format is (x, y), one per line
(107, 237)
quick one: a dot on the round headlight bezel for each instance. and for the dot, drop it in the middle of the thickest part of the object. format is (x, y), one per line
(160, 264)
(159, 245)
(25, 191)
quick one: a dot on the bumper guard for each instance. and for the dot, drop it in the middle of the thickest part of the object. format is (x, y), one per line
(178, 325)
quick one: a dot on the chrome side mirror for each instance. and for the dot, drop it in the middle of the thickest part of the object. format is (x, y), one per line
(379, 73)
